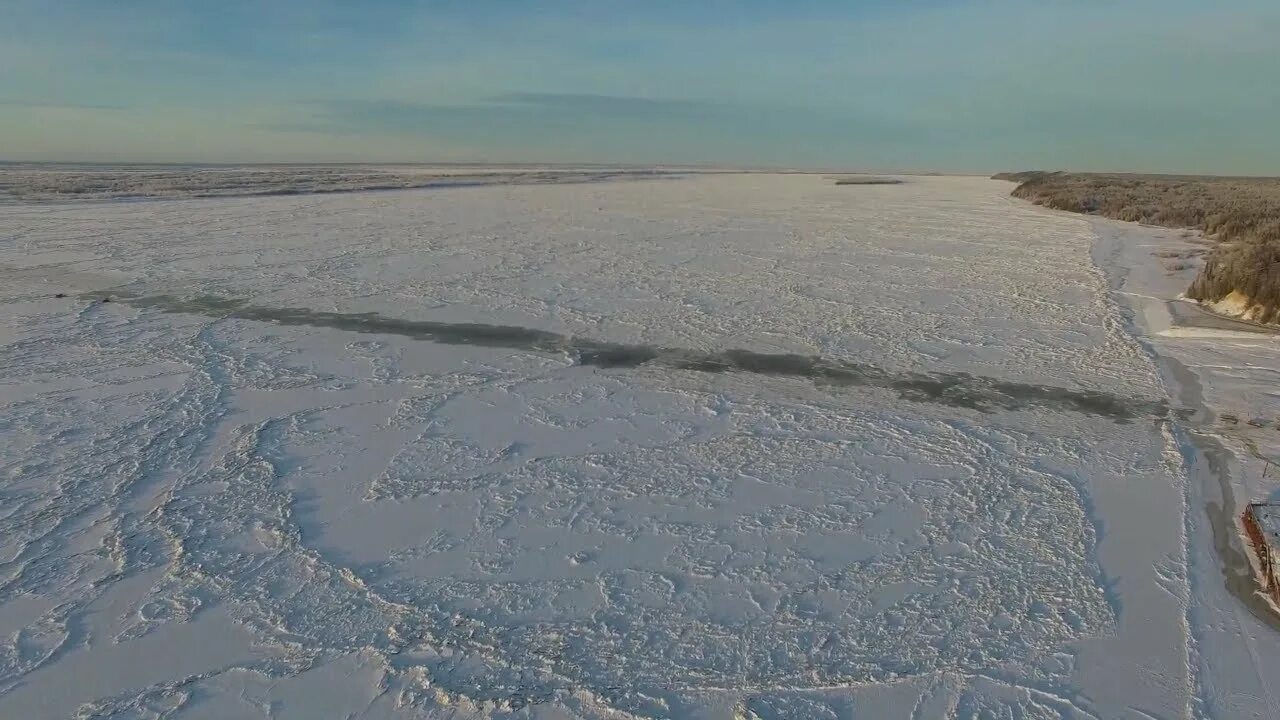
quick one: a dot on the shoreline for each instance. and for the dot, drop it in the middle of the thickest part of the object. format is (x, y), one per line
(1238, 213)
(1184, 311)
(1205, 457)
(1200, 357)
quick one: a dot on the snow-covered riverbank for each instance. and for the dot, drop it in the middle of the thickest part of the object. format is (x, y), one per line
(838, 452)
(1227, 371)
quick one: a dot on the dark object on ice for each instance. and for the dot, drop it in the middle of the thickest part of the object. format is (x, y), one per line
(865, 180)
(106, 299)
(1262, 526)
(60, 295)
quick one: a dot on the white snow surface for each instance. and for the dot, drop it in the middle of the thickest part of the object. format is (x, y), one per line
(349, 456)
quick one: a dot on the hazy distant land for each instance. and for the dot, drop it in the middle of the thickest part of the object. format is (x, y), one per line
(868, 180)
(1242, 273)
(35, 183)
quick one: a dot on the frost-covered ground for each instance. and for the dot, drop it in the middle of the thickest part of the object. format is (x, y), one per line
(704, 447)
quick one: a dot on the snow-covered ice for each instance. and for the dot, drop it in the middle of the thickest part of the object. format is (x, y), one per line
(710, 446)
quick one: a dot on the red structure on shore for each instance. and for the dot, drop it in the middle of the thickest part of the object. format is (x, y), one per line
(1262, 525)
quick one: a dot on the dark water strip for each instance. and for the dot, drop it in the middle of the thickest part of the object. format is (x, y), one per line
(955, 389)
(1186, 313)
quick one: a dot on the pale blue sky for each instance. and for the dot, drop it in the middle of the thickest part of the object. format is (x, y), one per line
(1173, 85)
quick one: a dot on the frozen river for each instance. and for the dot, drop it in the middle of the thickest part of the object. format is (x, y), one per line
(715, 446)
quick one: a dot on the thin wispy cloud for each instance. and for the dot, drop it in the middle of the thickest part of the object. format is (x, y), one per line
(47, 105)
(607, 128)
(610, 104)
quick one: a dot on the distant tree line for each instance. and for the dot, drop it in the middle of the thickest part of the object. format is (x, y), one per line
(1242, 214)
